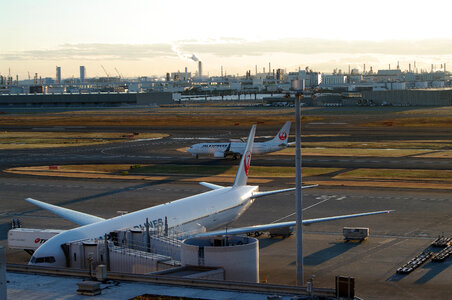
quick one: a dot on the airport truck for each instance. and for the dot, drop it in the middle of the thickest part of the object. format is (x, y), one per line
(29, 239)
(355, 233)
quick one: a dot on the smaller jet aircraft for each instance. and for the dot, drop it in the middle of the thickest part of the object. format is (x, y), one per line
(236, 149)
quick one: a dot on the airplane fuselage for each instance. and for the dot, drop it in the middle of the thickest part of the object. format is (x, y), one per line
(235, 147)
(211, 210)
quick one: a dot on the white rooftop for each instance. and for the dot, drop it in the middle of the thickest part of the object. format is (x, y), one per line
(42, 287)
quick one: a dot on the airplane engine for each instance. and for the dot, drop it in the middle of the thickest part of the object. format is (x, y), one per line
(219, 154)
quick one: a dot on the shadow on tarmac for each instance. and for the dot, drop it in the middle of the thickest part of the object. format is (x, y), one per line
(324, 255)
(435, 269)
(4, 228)
(265, 242)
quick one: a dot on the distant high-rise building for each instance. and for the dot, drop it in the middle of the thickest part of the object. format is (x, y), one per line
(58, 74)
(82, 73)
(200, 69)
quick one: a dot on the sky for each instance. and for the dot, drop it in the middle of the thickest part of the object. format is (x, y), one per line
(151, 37)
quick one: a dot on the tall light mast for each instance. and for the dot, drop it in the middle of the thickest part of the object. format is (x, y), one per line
(299, 195)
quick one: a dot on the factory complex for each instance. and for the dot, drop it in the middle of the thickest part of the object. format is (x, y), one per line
(411, 87)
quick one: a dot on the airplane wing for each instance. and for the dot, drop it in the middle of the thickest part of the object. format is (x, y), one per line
(261, 194)
(68, 214)
(266, 227)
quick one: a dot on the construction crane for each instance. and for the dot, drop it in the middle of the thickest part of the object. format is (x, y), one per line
(120, 76)
(106, 73)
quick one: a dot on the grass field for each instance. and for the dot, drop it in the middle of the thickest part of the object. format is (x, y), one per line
(23, 140)
(437, 121)
(175, 116)
(198, 170)
(399, 174)
(418, 148)
(352, 152)
(384, 178)
(433, 111)
(405, 144)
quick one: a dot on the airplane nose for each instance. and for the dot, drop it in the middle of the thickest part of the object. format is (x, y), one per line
(189, 150)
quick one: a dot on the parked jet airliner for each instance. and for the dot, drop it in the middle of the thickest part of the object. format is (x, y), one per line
(236, 149)
(209, 210)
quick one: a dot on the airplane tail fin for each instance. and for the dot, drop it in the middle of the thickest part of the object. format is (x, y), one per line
(283, 135)
(242, 172)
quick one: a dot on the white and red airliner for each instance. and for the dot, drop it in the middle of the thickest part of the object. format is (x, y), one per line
(236, 149)
(212, 210)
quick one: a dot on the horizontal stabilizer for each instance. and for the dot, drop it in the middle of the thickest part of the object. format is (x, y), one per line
(261, 194)
(266, 227)
(211, 185)
(68, 214)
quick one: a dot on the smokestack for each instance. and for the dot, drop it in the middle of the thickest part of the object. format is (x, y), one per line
(256, 69)
(186, 74)
(200, 69)
(364, 69)
(409, 67)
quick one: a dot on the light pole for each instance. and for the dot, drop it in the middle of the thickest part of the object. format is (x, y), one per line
(299, 196)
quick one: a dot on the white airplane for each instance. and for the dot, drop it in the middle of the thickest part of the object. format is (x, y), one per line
(210, 210)
(236, 149)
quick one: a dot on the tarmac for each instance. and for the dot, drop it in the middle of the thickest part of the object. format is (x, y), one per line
(421, 214)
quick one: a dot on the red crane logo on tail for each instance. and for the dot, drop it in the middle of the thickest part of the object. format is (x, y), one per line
(247, 162)
(282, 136)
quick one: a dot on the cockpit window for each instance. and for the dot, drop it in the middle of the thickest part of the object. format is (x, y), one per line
(40, 260)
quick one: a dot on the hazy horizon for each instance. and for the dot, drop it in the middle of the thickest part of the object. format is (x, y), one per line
(142, 38)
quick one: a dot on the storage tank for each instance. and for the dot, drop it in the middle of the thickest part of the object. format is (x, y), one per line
(238, 256)
(297, 84)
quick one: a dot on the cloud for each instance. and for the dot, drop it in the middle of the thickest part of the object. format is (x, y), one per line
(319, 46)
(94, 51)
(228, 47)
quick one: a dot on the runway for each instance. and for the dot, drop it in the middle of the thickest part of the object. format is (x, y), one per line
(164, 151)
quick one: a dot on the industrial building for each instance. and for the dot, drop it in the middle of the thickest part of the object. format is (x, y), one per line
(419, 97)
(382, 87)
(88, 99)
